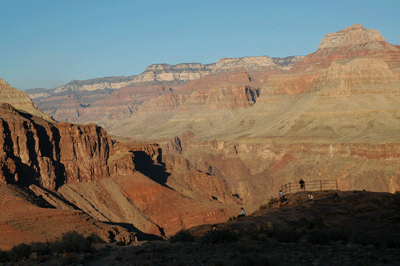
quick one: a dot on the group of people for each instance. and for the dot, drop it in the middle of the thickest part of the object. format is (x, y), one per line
(282, 197)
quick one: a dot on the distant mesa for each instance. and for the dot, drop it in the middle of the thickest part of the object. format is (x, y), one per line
(19, 100)
(354, 35)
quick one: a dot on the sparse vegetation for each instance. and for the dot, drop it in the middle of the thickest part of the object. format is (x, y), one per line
(4, 256)
(272, 202)
(70, 242)
(338, 234)
(256, 259)
(231, 219)
(367, 238)
(219, 236)
(262, 237)
(318, 236)
(182, 236)
(305, 227)
(94, 239)
(375, 200)
(21, 251)
(288, 236)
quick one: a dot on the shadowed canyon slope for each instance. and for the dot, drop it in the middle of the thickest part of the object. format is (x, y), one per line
(75, 177)
(258, 123)
(227, 133)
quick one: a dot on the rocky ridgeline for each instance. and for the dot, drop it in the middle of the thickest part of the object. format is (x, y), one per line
(354, 35)
(180, 73)
(333, 115)
(165, 73)
(68, 102)
(256, 63)
(19, 99)
(76, 174)
(49, 155)
(354, 41)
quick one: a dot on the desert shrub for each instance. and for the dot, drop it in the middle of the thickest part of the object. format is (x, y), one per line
(367, 238)
(21, 251)
(256, 260)
(338, 234)
(392, 240)
(42, 248)
(262, 207)
(120, 243)
(262, 237)
(231, 219)
(268, 225)
(4, 256)
(318, 236)
(219, 236)
(94, 239)
(272, 201)
(161, 247)
(376, 200)
(72, 242)
(288, 236)
(303, 230)
(371, 206)
(182, 236)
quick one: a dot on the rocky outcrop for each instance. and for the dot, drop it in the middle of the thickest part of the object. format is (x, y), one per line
(189, 181)
(26, 217)
(293, 83)
(359, 72)
(354, 41)
(77, 174)
(335, 109)
(105, 99)
(229, 96)
(354, 35)
(19, 100)
(180, 73)
(255, 63)
(38, 152)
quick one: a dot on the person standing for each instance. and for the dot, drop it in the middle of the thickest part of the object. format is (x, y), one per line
(302, 185)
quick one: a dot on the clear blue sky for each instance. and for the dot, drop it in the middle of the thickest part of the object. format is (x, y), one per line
(45, 44)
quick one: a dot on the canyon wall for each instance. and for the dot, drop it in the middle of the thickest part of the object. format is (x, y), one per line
(64, 177)
(334, 109)
(232, 133)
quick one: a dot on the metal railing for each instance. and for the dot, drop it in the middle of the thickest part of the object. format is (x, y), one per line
(317, 185)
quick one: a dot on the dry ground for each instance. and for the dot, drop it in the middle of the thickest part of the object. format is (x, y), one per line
(368, 220)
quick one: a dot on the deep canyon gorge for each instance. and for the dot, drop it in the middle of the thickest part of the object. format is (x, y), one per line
(177, 146)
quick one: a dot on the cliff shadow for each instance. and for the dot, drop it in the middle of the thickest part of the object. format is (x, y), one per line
(141, 235)
(45, 144)
(154, 170)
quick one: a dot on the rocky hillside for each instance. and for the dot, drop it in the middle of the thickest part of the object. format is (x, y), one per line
(84, 101)
(20, 100)
(259, 122)
(336, 228)
(76, 177)
(333, 115)
(254, 126)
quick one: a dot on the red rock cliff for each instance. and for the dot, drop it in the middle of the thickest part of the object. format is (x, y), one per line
(33, 151)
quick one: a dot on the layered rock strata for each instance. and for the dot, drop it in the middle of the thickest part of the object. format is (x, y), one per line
(77, 174)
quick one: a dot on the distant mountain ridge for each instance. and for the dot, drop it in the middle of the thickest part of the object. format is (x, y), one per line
(67, 103)
(154, 73)
(253, 117)
(235, 135)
